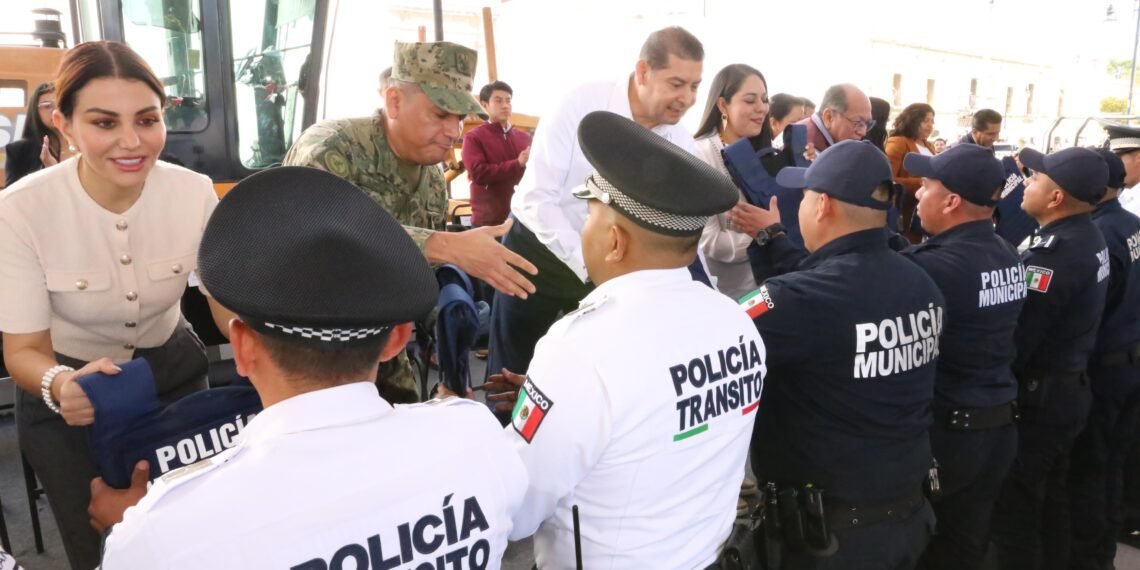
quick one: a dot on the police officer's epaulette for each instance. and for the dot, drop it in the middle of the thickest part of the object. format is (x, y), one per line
(586, 308)
(442, 402)
(1044, 242)
(183, 475)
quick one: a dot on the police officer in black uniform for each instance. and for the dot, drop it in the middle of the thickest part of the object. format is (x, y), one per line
(1066, 272)
(852, 338)
(1114, 373)
(973, 436)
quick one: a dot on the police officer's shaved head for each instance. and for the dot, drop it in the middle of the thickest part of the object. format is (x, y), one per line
(673, 40)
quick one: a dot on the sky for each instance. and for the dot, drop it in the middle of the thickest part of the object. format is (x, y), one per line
(545, 46)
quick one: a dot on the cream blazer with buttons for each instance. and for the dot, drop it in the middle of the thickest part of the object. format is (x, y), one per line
(102, 283)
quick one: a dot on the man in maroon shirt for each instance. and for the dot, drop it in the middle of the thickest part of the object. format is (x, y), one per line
(495, 156)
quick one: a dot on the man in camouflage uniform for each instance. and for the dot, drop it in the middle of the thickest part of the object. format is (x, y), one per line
(392, 156)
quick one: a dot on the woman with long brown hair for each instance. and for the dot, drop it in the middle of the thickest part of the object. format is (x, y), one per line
(39, 144)
(97, 251)
(910, 132)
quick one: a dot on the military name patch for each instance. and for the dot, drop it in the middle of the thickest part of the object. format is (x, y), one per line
(757, 302)
(1038, 278)
(530, 409)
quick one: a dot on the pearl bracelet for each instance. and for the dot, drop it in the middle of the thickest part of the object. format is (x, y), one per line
(45, 385)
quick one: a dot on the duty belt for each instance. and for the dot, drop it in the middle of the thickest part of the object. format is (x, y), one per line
(1118, 358)
(840, 516)
(972, 419)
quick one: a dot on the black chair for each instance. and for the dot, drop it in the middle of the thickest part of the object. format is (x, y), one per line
(34, 493)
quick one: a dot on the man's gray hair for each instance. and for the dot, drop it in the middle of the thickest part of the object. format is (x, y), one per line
(834, 98)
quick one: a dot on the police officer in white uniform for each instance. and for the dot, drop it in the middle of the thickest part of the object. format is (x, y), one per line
(638, 406)
(329, 476)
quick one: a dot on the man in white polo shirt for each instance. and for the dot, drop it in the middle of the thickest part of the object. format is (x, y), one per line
(549, 219)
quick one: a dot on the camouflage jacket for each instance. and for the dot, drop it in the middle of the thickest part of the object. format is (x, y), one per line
(357, 150)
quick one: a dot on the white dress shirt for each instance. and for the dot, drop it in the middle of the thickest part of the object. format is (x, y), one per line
(102, 283)
(622, 416)
(1130, 199)
(335, 478)
(725, 249)
(543, 201)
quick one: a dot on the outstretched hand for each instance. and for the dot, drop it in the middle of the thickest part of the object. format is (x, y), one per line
(749, 219)
(478, 253)
(503, 389)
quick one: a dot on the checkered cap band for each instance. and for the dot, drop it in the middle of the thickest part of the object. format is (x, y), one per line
(328, 335)
(670, 223)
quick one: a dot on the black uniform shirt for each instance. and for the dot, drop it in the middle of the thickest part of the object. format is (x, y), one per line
(983, 281)
(1066, 270)
(851, 339)
(1120, 327)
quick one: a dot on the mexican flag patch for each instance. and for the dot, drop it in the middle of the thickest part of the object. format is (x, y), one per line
(757, 302)
(530, 409)
(1038, 278)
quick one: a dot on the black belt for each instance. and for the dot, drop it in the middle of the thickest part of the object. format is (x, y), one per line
(840, 516)
(972, 419)
(1118, 358)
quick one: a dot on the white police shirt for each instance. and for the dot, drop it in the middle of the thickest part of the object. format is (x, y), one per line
(638, 408)
(1130, 199)
(543, 201)
(332, 479)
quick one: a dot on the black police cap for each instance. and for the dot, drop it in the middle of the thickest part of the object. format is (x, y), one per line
(849, 171)
(965, 169)
(1080, 172)
(1116, 172)
(300, 253)
(648, 179)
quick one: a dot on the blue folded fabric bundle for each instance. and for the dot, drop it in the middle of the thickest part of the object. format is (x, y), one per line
(456, 325)
(131, 424)
(1013, 223)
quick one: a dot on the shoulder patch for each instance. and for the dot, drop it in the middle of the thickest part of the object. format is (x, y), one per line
(1038, 278)
(1043, 242)
(757, 302)
(531, 408)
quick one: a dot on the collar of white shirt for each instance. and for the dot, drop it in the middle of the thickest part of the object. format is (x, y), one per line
(644, 280)
(822, 129)
(347, 404)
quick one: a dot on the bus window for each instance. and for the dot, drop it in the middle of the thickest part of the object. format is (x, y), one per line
(13, 101)
(271, 44)
(168, 34)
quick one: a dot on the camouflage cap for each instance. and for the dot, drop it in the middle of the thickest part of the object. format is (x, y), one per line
(445, 71)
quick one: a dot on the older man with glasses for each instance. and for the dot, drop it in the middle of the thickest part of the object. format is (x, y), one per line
(844, 114)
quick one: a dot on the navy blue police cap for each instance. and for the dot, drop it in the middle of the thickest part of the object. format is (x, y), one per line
(1116, 173)
(302, 254)
(648, 179)
(848, 171)
(1121, 138)
(965, 169)
(1080, 172)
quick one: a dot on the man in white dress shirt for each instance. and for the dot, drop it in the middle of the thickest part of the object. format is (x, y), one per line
(329, 475)
(548, 219)
(638, 406)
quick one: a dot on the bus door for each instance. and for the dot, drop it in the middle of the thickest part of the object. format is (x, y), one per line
(241, 75)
